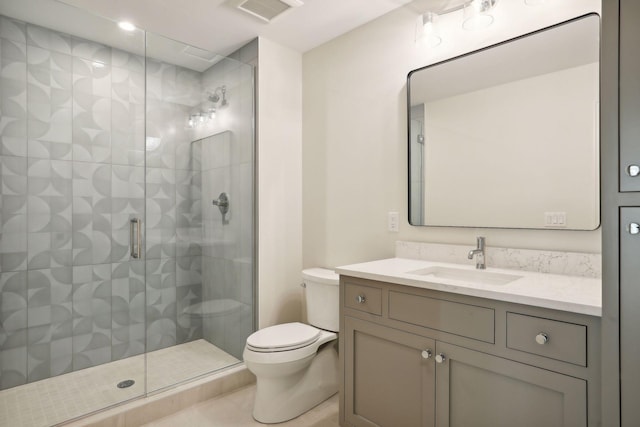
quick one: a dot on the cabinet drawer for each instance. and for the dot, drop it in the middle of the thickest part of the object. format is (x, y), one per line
(363, 298)
(466, 320)
(549, 338)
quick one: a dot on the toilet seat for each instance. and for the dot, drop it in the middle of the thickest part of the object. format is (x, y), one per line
(284, 337)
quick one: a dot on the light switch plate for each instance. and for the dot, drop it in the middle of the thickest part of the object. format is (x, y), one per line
(392, 221)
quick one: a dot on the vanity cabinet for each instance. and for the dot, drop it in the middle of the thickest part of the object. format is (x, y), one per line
(481, 390)
(417, 357)
(390, 380)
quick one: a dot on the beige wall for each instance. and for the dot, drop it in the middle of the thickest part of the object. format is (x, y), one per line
(279, 184)
(354, 132)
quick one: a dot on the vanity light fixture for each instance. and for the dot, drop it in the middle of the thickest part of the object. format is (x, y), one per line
(199, 119)
(477, 14)
(126, 26)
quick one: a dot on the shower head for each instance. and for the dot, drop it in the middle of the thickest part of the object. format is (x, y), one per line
(219, 95)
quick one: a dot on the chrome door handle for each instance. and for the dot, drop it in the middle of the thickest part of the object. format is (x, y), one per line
(361, 299)
(441, 358)
(633, 170)
(426, 354)
(634, 228)
(135, 241)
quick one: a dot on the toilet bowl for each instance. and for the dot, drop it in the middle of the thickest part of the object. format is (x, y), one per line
(295, 364)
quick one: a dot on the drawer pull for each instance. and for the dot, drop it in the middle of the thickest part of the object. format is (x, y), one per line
(441, 358)
(542, 338)
(360, 299)
(426, 354)
(633, 170)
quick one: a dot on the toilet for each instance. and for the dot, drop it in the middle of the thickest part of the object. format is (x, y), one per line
(295, 364)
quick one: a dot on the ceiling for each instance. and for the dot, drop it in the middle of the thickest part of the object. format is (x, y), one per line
(216, 25)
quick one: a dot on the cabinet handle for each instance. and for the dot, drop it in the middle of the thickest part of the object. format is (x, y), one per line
(633, 170)
(361, 299)
(542, 338)
(426, 354)
(441, 358)
(634, 228)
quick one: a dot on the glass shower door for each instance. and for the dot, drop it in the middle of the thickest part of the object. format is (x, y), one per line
(72, 175)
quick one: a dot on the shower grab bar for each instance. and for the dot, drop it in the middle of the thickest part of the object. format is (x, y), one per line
(134, 237)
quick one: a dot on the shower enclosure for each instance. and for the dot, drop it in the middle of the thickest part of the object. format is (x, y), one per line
(123, 270)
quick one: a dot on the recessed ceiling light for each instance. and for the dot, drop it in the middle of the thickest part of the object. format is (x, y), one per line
(126, 26)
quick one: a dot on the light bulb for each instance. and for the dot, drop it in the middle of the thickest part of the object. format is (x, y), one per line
(476, 14)
(429, 33)
(126, 26)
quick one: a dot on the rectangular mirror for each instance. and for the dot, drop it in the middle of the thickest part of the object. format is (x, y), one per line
(508, 136)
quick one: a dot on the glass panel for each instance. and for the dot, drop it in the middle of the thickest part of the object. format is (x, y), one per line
(199, 256)
(72, 171)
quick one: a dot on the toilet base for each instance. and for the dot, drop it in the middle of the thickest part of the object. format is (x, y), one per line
(281, 399)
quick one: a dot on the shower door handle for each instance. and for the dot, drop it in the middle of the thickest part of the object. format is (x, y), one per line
(134, 237)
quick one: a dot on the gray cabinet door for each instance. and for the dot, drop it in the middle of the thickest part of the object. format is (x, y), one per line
(629, 93)
(388, 382)
(475, 389)
(629, 317)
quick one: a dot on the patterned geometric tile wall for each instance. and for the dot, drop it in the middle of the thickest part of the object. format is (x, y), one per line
(72, 169)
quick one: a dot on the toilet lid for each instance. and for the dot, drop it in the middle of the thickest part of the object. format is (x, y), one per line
(287, 336)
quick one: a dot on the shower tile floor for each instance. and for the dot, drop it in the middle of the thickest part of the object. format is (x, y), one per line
(54, 400)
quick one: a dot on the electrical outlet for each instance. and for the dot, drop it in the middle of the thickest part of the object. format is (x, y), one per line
(555, 219)
(392, 221)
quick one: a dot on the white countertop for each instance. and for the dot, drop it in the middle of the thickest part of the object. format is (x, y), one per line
(567, 293)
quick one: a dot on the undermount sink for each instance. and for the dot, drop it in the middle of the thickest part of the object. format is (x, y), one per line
(478, 277)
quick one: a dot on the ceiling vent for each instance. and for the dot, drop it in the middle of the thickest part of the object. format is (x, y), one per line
(267, 10)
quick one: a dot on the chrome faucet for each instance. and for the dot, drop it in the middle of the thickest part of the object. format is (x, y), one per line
(479, 251)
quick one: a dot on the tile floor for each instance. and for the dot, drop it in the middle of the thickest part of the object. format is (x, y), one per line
(54, 400)
(234, 410)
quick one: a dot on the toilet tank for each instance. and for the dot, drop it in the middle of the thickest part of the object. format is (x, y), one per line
(322, 298)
